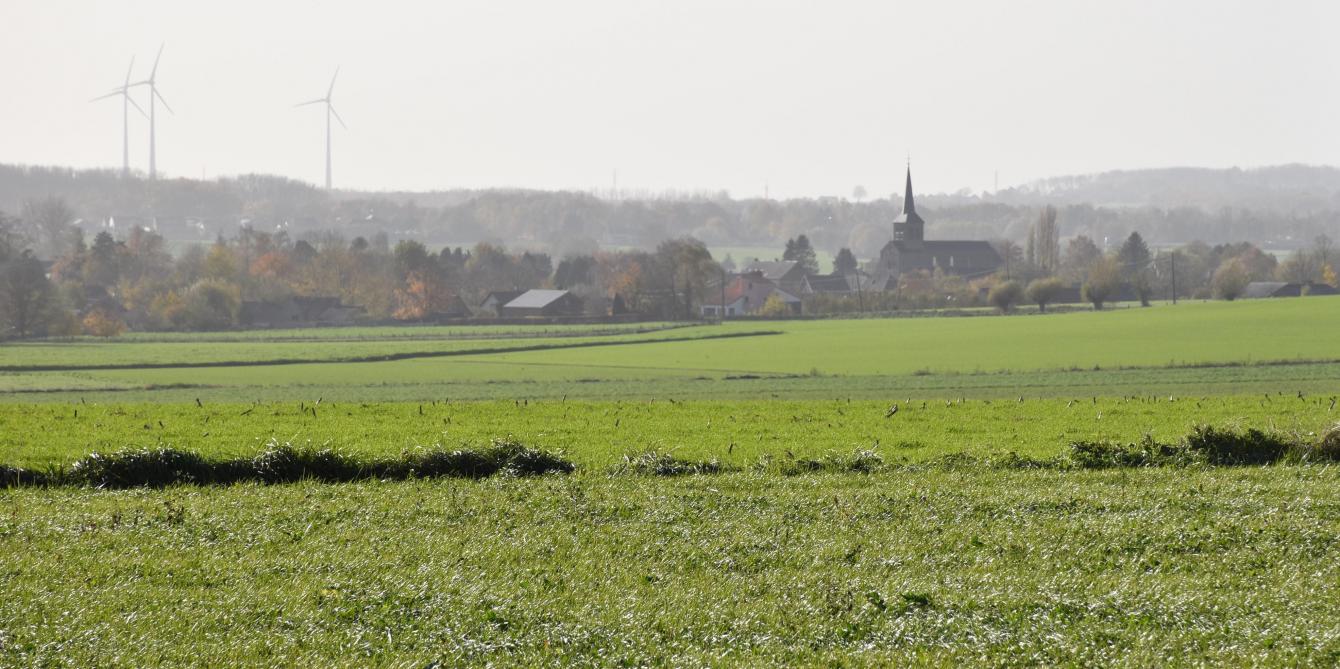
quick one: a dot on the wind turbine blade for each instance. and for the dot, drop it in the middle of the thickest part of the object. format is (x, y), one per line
(119, 91)
(160, 99)
(337, 117)
(129, 70)
(332, 82)
(310, 102)
(136, 105)
(160, 55)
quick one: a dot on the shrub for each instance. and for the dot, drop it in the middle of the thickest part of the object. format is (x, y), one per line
(1230, 279)
(1044, 291)
(1005, 295)
(148, 467)
(1103, 281)
(210, 305)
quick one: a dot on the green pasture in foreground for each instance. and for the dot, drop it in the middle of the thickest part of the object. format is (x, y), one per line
(599, 434)
(939, 564)
(1144, 567)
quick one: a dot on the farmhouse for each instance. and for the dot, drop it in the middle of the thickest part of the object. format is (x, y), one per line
(833, 284)
(494, 301)
(298, 311)
(788, 275)
(910, 251)
(745, 294)
(1261, 289)
(541, 302)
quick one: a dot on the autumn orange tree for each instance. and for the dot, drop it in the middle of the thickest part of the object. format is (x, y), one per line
(424, 294)
(101, 324)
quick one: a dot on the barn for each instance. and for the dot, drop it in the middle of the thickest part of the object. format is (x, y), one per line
(543, 302)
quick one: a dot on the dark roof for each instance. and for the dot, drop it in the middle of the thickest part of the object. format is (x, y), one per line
(538, 298)
(831, 283)
(502, 296)
(754, 289)
(775, 270)
(976, 253)
(1257, 289)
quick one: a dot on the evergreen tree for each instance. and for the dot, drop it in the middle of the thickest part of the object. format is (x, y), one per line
(845, 263)
(1134, 261)
(799, 250)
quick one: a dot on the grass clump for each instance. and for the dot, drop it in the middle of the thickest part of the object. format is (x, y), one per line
(14, 477)
(1329, 445)
(282, 463)
(516, 459)
(1207, 445)
(285, 463)
(139, 468)
(655, 463)
(1104, 455)
(1218, 446)
(861, 461)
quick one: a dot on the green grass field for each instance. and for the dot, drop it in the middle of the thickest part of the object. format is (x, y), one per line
(1152, 567)
(1188, 349)
(930, 560)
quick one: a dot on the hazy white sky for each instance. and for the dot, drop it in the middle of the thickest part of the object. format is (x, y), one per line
(811, 98)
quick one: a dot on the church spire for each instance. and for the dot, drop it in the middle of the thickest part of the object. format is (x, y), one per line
(909, 227)
(909, 205)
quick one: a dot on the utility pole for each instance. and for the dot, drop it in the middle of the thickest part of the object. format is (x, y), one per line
(860, 292)
(1174, 276)
(723, 295)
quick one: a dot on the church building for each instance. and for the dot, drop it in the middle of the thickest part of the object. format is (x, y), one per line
(911, 251)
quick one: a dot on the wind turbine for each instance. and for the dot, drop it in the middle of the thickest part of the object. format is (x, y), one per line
(153, 93)
(126, 103)
(330, 111)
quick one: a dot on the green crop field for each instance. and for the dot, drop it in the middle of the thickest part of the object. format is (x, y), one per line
(959, 529)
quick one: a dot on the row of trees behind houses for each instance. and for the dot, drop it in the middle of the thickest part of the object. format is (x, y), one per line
(103, 284)
(112, 281)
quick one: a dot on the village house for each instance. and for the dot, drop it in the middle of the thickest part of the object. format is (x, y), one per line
(492, 303)
(789, 275)
(745, 294)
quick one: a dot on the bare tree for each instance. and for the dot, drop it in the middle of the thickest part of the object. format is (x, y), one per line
(49, 222)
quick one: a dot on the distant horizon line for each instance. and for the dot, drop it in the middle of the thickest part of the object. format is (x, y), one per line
(634, 192)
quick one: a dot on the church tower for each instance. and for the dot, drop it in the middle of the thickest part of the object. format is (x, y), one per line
(909, 228)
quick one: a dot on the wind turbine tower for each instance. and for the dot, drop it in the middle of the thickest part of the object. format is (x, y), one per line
(330, 111)
(126, 104)
(153, 94)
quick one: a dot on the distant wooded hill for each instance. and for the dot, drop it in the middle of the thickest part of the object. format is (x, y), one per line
(1276, 207)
